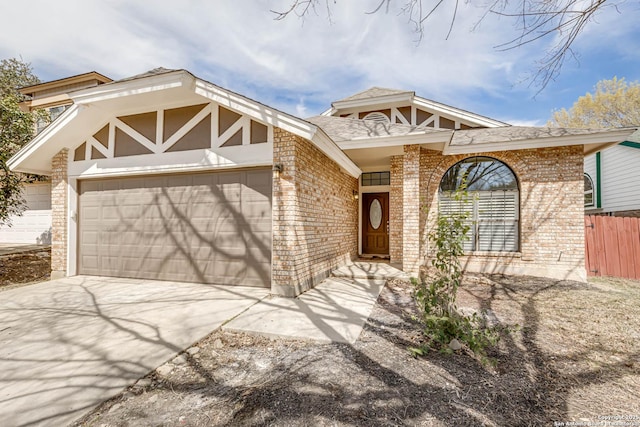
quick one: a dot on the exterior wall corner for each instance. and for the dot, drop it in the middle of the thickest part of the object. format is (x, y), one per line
(314, 216)
(411, 209)
(59, 213)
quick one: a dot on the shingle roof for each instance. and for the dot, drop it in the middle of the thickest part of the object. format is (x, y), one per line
(346, 129)
(479, 136)
(154, 72)
(375, 92)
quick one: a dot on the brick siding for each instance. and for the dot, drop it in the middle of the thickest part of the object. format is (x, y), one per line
(315, 216)
(551, 211)
(395, 210)
(59, 184)
(411, 209)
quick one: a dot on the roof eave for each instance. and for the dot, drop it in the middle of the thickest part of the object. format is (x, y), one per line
(597, 140)
(278, 119)
(67, 80)
(333, 151)
(417, 138)
(254, 109)
(384, 99)
(463, 114)
(174, 79)
(16, 161)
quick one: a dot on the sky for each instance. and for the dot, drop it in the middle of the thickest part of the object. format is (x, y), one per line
(301, 65)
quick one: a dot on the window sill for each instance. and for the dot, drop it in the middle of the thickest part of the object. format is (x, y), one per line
(500, 254)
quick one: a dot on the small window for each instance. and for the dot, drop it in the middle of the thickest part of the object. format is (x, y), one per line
(54, 113)
(376, 178)
(588, 191)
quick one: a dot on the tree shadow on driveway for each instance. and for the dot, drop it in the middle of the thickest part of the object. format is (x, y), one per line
(239, 379)
(69, 344)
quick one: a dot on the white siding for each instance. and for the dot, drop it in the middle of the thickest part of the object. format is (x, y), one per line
(620, 177)
(34, 226)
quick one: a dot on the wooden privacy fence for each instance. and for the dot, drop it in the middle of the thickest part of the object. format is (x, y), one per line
(612, 246)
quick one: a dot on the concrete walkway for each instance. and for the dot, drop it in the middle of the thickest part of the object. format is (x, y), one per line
(333, 311)
(69, 344)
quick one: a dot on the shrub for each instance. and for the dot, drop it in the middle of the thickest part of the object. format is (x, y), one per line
(435, 292)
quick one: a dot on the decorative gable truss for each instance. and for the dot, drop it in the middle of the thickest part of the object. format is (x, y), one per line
(195, 127)
(410, 115)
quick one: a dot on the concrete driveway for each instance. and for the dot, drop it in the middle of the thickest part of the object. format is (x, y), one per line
(69, 344)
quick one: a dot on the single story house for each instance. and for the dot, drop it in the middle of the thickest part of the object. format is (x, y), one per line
(167, 176)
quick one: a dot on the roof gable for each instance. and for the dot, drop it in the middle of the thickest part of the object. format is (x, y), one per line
(375, 92)
(157, 89)
(404, 107)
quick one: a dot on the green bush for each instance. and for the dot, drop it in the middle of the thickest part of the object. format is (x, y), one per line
(435, 293)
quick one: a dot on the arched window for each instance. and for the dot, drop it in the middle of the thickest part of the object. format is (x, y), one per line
(492, 203)
(588, 191)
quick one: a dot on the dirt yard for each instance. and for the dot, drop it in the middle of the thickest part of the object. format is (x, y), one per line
(575, 357)
(25, 267)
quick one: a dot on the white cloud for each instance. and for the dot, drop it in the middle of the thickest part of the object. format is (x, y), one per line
(239, 45)
(519, 122)
(301, 108)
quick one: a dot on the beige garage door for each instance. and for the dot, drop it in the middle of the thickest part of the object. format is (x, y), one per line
(205, 228)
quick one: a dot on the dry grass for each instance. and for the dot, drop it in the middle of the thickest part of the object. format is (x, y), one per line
(578, 343)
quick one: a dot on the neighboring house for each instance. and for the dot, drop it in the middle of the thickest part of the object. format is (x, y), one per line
(167, 176)
(53, 97)
(34, 225)
(612, 181)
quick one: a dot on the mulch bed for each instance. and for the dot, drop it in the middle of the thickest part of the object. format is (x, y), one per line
(575, 356)
(25, 267)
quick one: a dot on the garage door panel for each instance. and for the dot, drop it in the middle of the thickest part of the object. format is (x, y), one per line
(230, 244)
(259, 227)
(90, 186)
(90, 262)
(213, 227)
(90, 238)
(109, 264)
(110, 212)
(131, 265)
(108, 238)
(259, 239)
(108, 186)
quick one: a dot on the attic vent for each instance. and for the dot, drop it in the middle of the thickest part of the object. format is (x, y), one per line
(377, 116)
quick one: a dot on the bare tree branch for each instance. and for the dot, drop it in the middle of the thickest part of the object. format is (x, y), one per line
(300, 7)
(534, 19)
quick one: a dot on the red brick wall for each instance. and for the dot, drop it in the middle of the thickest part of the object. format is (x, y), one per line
(59, 184)
(315, 216)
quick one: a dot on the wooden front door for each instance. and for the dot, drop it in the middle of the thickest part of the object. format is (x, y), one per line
(375, 223)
